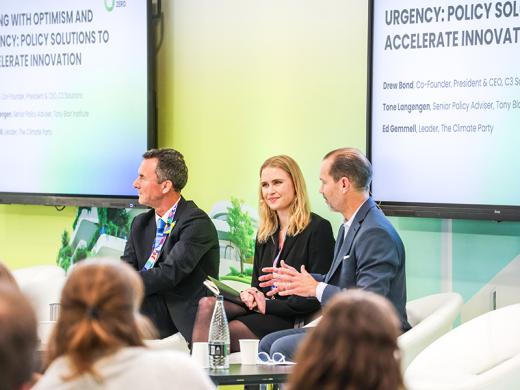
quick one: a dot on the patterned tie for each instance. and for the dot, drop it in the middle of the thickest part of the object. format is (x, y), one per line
(157, 245)
(159, 233)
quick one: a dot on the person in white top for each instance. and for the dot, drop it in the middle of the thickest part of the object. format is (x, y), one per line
(97, 342)
(131, 368)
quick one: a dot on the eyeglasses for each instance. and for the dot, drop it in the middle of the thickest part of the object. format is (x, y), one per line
(277, 358)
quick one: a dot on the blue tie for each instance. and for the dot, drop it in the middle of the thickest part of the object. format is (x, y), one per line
(339, 243)
(340, 238)
(159, 232)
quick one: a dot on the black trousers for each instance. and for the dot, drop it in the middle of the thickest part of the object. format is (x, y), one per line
(156, 310)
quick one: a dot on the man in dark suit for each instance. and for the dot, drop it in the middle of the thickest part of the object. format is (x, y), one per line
(368, 254)
(174, 246)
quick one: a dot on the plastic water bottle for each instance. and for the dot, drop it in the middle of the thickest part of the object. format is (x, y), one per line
(218, 338)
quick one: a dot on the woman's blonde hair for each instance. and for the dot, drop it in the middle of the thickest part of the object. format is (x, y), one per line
(300, 211)
(99, 315)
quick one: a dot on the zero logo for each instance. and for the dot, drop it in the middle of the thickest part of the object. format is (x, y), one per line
(109, 5)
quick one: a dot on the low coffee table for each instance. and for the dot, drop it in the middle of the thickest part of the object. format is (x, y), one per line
(239, 374)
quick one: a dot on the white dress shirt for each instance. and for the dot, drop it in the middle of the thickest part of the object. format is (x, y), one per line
(346, 224)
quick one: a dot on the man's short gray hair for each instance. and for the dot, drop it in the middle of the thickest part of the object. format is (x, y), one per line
(351, 163)
(170, 166)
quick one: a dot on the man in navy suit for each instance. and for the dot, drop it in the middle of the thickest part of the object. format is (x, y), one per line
(369, 253)
(174, 246)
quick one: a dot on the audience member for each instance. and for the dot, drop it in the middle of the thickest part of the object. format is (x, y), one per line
(353, 347)
(289, 231)
(369, 253)
(6, 275)
(97, 342)
(174, 246)
(18, 339)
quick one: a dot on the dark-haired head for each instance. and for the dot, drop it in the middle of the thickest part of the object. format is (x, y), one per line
(170, 166)
(353, 347)
(352, 164)
(18, 338)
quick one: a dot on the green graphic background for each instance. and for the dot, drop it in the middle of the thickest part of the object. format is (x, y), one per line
(239, 81)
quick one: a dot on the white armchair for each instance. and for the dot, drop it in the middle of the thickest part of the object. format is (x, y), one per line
(483, 353)
(431, 317)
(174, 342)
(42, 285)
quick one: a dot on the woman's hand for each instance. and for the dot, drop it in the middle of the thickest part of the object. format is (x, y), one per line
(260, 302)
(254, 299)
(248, 297)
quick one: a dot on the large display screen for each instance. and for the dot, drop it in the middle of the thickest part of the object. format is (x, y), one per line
(76, 101)
(444, 108)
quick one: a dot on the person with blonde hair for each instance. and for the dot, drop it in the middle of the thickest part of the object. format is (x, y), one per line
(98, 338)
(369, 253)
(353, 347)
(287, 231)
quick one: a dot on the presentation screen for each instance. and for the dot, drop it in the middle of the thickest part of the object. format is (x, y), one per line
(444, 108)
(76, 100)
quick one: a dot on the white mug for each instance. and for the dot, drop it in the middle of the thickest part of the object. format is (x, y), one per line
(200, 353)
(249, 351)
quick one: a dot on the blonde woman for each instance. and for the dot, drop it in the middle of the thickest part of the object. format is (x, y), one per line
(287, 231)
(98, 339)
